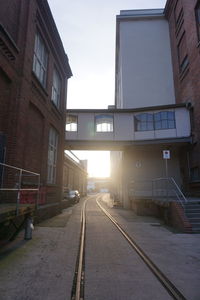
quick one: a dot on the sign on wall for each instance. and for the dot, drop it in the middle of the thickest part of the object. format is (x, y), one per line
(166, 154)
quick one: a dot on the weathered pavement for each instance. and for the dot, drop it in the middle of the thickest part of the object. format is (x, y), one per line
(43, 268)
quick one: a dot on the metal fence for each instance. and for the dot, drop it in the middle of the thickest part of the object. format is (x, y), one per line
(166, 189)
(159, 189)
(18, 186)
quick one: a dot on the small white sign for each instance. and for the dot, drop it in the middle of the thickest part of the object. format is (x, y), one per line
(166, 154)
(138, 164)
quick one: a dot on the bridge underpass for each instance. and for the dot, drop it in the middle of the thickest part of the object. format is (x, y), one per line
(139, 136)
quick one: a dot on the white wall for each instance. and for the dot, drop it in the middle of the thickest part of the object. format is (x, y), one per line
(145, 66)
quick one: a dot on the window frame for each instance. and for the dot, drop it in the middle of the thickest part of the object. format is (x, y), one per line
(144, 123)
(155, 120)
(52, 155)
(104, 127)
(56, 88)
(40, 59)
(195, 174)
(184, 62)
(73, 126)
(197, 17)
(163, 120)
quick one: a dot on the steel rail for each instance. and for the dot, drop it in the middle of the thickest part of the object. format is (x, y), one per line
(79, 274)
(5, 189)
(15, 168)
(171, 289)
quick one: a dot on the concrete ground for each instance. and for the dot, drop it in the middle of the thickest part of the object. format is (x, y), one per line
(43, 268)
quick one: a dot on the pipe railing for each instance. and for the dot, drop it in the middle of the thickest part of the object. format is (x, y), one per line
(163, 189)
(168, 189)
(15, 184)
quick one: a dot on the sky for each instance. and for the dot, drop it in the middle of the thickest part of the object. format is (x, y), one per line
(87, 29)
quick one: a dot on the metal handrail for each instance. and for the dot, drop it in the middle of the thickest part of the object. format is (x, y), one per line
(178, 193)
(19, 169)
(19, 189)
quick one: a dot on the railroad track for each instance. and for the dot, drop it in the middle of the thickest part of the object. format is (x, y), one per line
(78, 284)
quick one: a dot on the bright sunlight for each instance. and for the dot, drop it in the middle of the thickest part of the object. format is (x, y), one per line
(98, 162)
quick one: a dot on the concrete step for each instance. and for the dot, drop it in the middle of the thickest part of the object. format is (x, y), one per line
(196, 226)
(193, 215)
(192, 205)
(194, 220)
(192, 209)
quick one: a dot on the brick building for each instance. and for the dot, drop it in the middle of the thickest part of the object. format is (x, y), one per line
(184, 26)
(34, 70)
(75, 173)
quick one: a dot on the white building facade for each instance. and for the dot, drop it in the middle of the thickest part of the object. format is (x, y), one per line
(144, 81)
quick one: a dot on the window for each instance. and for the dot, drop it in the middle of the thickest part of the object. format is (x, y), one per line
(197, 13)
(195, 174)
(182, 54)
(144, 122)
(178, 15)
(40, 60)
(155, 121)
(71, 123)
(52, 156)
(164, 120)
(104, 123)
(56, 89)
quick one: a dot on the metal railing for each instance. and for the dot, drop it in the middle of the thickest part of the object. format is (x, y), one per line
(167, 190)
(14, 181)
(163, 189)
(140, 188)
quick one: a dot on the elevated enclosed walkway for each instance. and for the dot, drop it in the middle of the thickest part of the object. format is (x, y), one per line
(116, 129)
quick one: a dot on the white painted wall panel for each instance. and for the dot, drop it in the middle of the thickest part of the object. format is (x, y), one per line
(146, 67)
(165, 133)
(123, 125)
(145, 135)
(182, 122)
(86, 129)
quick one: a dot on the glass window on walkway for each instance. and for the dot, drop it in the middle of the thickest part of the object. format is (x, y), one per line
(155, 121)
(144, 122)
(104, 123)
(71, 123)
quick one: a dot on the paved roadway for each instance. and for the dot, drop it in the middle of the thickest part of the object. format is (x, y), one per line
(43, 268)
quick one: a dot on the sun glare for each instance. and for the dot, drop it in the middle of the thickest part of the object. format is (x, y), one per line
(98, 162)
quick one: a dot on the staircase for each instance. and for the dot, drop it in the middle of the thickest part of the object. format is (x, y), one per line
(192, 211)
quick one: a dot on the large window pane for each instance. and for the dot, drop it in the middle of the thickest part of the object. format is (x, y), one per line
(52, 156)
(40, 60)
(144, 122)
(104, 123)
(56, 89)
(154, 121)
(71, 123)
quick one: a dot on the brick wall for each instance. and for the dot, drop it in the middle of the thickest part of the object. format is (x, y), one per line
(182, 23)
(26, 109)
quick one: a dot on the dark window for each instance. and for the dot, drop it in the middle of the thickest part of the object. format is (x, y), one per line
(182, 54)
(40, 59)
(197, 13)
(144, 122)
(56, 89)
(52, 156)
(178, 16)
(195, 174)
(164, 120)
